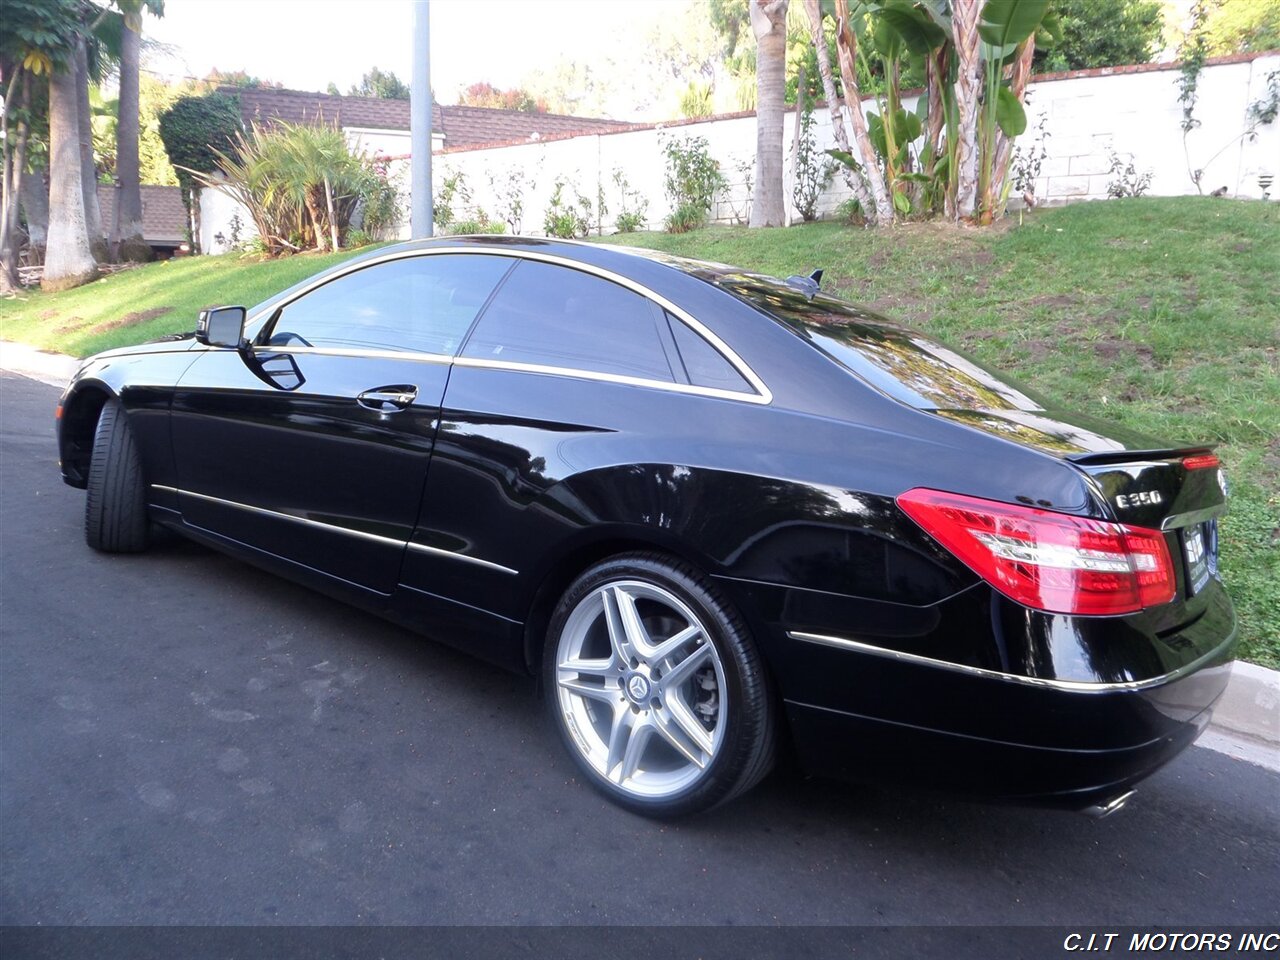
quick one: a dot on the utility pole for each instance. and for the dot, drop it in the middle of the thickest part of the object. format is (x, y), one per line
(420, 218)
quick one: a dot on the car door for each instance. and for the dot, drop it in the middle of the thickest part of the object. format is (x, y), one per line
(314, 447)
(565, 373)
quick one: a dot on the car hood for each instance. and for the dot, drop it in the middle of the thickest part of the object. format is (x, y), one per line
(174, 342)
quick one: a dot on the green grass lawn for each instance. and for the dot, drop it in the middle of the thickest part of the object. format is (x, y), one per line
(1163, 314)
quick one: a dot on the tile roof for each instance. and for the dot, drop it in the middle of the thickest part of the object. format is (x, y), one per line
(461, 126)
(164, 217)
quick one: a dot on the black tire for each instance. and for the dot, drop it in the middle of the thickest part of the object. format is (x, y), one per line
(115, 510)
(743, 750)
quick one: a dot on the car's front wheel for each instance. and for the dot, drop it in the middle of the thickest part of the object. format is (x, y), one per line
(656, 687)
(115, 512)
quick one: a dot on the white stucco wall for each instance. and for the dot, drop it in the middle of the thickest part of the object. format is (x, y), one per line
(1133, 111)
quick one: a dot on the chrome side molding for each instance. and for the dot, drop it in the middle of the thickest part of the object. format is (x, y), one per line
(335, 528)
(1077, 686)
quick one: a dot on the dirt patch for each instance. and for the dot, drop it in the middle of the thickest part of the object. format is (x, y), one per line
(1113, 350)
(899, 305)
(47, 314)
(1038, 350)
(70, 325)
(1058, 300)
(129, 319)
(1241, 247)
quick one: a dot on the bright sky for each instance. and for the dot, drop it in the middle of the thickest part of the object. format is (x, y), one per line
(304, 44)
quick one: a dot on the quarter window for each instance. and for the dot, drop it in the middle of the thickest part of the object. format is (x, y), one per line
(422, 304)
(560, 317)
(705, 365)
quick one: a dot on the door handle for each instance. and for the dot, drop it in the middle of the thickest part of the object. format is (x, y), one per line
(389, 399)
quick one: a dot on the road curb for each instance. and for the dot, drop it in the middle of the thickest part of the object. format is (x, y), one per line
(46, 366)
(1249, 708)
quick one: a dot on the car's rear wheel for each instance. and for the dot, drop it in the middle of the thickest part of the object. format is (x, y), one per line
(115, 511)
(656, 687)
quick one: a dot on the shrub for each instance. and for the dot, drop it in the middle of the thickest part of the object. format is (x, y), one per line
(301, 184)
(566, 219)
(635, 205)
(693, 179)
(686, 217)
(482, 224)
(453, 191)
(196, 131)
(811, 176)
(508, 189)
(1126, 180)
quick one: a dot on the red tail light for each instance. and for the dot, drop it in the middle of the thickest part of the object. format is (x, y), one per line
(1045, 560)
(1201, 461)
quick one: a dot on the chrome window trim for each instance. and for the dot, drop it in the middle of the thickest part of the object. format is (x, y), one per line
(537, 368)
(762, 394)
(1076, 686)
(376, 352)
(307, 521)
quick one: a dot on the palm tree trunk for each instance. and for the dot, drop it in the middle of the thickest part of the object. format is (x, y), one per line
(847, 52)
(769, 23)
(133, 244)
(968, 90)
(859, 186)
(10, 186)
(333, 221)
(88, 172)
(35, 208)
(68, 260)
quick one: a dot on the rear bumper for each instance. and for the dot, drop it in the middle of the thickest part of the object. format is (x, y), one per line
(852, 747)
(1068, 745)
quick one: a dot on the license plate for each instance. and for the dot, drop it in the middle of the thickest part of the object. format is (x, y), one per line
(1193, 547)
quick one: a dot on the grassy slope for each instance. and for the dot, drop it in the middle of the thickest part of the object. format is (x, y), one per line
(148, 302)
(1166, 311)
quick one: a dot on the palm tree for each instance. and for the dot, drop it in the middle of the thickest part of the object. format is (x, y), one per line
(88, 167)
(69, 260)
(769, 24)
(133, 246)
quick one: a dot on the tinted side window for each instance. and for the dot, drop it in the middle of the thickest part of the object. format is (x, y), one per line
(422, 304)
(706, 366)
(559, 317)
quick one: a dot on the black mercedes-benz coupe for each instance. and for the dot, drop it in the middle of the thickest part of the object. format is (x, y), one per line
(715, 512)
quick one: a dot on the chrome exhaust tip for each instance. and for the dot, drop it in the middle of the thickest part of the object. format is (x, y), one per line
(1108, 807)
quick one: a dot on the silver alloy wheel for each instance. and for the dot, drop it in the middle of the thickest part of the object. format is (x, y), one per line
(641, 688)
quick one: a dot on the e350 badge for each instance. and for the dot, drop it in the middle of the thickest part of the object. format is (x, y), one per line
(1141, 498)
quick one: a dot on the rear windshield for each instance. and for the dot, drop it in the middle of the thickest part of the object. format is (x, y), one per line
(897, 360)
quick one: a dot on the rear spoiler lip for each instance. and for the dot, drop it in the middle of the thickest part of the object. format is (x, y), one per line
(1095, 458)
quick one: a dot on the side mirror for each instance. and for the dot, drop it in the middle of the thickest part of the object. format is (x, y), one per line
(221, 326)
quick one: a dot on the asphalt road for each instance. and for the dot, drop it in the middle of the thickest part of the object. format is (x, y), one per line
(187, 740)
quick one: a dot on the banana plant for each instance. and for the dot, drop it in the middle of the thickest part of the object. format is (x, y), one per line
(1007, 29)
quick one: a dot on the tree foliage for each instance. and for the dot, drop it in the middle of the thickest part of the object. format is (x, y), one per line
(1103, 33)
(197, 129)
(240, 78)
(484, 94)
(384, 85)
(1242, 26)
